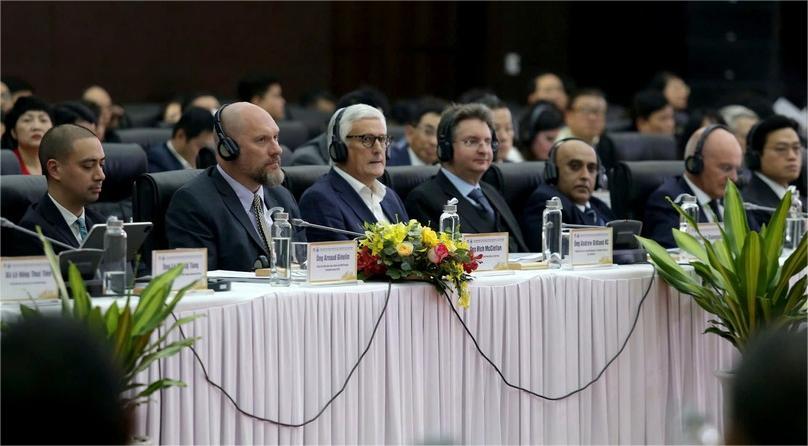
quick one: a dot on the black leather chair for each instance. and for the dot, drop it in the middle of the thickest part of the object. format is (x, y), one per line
(17, 193)
(299, 178)
(151, 195)
(9, 165)
(292, 134)
(515, 181)
(634, 146)
(395, 131)
(314, 120)
(632, 182)
(145, 136)
(403, 179)
(124, 163)
(144, 114)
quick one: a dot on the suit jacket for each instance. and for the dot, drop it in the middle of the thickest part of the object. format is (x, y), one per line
(758, 192)
(332, 202)
(425, 204)
(161, 159)
(46, 215)
(206, 213)
(570, 214)
(314, 151)
(399, 154)
(661, 217)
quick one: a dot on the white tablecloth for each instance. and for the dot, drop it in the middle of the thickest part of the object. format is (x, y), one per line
(282, 353)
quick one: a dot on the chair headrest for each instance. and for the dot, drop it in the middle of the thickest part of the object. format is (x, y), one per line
(124, 163)
(17, 192)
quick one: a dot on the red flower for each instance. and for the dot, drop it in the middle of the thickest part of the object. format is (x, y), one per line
(472, 264)
(438, 253)
(369, 264)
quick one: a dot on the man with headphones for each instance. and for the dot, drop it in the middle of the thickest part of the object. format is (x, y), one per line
(712, 157)
(774, 155)
(226, 207)
(350, 194)
(467, 146)
(571, 173)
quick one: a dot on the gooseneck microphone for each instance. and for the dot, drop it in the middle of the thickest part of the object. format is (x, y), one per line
(6, 223)
(757, 207)
(304, 224)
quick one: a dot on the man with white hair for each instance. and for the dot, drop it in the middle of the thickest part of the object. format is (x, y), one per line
(350, 194)
(739, 119)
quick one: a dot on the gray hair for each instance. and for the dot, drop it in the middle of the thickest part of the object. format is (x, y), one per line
(351, 114)
(732, 113)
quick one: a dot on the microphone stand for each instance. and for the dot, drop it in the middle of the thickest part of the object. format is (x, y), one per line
(304, 224)
(6, 223)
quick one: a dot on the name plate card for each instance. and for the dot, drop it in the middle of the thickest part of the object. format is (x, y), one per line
(710, 231)
(195, 270)
(494, 248)
(591, 246)
(26, 278)
(332, 262)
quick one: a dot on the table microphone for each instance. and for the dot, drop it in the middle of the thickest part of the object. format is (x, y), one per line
(304, 224)
(757, 207)
(6, 223)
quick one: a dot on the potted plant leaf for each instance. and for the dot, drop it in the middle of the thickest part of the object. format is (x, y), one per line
(739, 278)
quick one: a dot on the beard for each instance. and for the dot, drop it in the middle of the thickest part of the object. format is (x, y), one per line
(269, 179)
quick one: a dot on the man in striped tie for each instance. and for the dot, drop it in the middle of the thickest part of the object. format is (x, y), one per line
(72, 161)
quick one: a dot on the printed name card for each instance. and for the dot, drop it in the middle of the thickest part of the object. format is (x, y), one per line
(591, 246)
(710, 231)
(493, 247)
(25, 278)
(332, 262)
(195, 270)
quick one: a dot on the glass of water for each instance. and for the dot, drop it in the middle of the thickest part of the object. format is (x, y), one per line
(300, 252)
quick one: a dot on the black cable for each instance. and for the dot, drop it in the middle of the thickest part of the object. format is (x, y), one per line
(344, 385)
(530, 392)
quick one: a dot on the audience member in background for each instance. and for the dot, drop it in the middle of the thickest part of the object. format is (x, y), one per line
(2, 125)
(202, 99)
(320, 100)
(16, 88)
(775, 156)
(350, 194)
(110, 115)
(226, 208)
(700, 117)
(265, 92)
(676, 91)
(548, 86)
(586, 120)
(503, 126)
(191, 134)
(57, 366)
(315, 151)
(466, 148)
(739, 119)
(653, 114)
(73, 163)
(27, 123)
(713, 157)
(75, 112)
(571, 174)
(768, 399)
(171, 112)
(539, 129)
(420, 143)
(5, 98)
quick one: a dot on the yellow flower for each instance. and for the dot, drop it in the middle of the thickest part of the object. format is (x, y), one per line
(404, 249)
(447, 240)
(465, 297)
(429, 238)
(395, 233)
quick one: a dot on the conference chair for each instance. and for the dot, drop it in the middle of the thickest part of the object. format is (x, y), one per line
(124, 163)
(315, 120)
(403, 179)
(17, 193)
(143, 114)
(515, 181)
(395, 131)
(9, 165)
(145, 136)
(634, 146)
(632, 182)
(151, 195)
(292, 134)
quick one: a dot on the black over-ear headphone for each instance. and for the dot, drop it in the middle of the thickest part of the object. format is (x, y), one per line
(338, 150)
(551, 169)
(695, 162)
(227, 147)
(445, 143)
(752, 155)
(526, 133)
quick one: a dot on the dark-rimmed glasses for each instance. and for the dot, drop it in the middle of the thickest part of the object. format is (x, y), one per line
(368, 141)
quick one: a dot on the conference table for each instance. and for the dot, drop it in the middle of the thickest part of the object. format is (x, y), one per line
(282, 353)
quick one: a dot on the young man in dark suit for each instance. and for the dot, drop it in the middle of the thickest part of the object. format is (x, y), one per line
(774, 155)
(466, 143)
(72, 160)
(571, 174)
(420, 144)
(191, 134)
(226, 208)
(350, 194)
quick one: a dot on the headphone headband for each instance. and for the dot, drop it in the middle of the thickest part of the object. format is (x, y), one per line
(551, 169)
(695, 162)
(338, 150)
(227, 147)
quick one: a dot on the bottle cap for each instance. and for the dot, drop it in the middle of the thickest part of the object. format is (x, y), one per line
(450, 208)
(281, 216)
(114, 222)
(554, 203)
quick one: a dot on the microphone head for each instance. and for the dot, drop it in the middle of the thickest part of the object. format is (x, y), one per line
(298, 222)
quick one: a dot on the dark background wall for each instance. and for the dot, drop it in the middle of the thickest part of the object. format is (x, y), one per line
(149, 51)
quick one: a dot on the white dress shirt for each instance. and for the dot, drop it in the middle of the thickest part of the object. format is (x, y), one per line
(414, 160)
(183, 161)
(704, 201)
(372, 197)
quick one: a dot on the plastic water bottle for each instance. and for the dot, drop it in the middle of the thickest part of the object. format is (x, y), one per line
(551, 232)
(281, 243)
(690, 207)
(449, 220)
(113, 266)
(795, 223)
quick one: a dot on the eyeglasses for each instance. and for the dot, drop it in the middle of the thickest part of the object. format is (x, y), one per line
(428, 130)
(368, 141)
(472, 142)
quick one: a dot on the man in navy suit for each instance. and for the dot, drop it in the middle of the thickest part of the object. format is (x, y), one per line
(571, 174)
(226, 209)
(191, 134)
(350, 194)
(420, 144)
(72, 160)
(713, 157)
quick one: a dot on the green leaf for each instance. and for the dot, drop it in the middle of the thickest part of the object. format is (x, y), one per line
(57, 272)
(111, 319)
(735, 225)
(689, 244)
(81, 300)
(29, 313)
(775, 233)
(159, 384)
(749, 265)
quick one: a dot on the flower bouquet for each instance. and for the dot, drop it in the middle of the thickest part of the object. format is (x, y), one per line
(414, 252)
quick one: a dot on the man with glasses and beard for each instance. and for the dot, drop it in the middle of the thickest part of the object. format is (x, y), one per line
(350, 194)
(226, 208)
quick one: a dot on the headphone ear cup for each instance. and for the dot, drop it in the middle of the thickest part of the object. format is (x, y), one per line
(694, 164)
(444, 147)
(550, 172)
(227, 148)
(338, 151)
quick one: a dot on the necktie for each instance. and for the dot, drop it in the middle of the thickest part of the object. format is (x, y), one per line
(82, 229)
(714, 206)
(258, 212)
(477, 195)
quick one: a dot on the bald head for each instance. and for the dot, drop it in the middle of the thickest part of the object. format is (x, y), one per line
(97, 95)
(256, 134)
(59, 141)
(722, 158)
